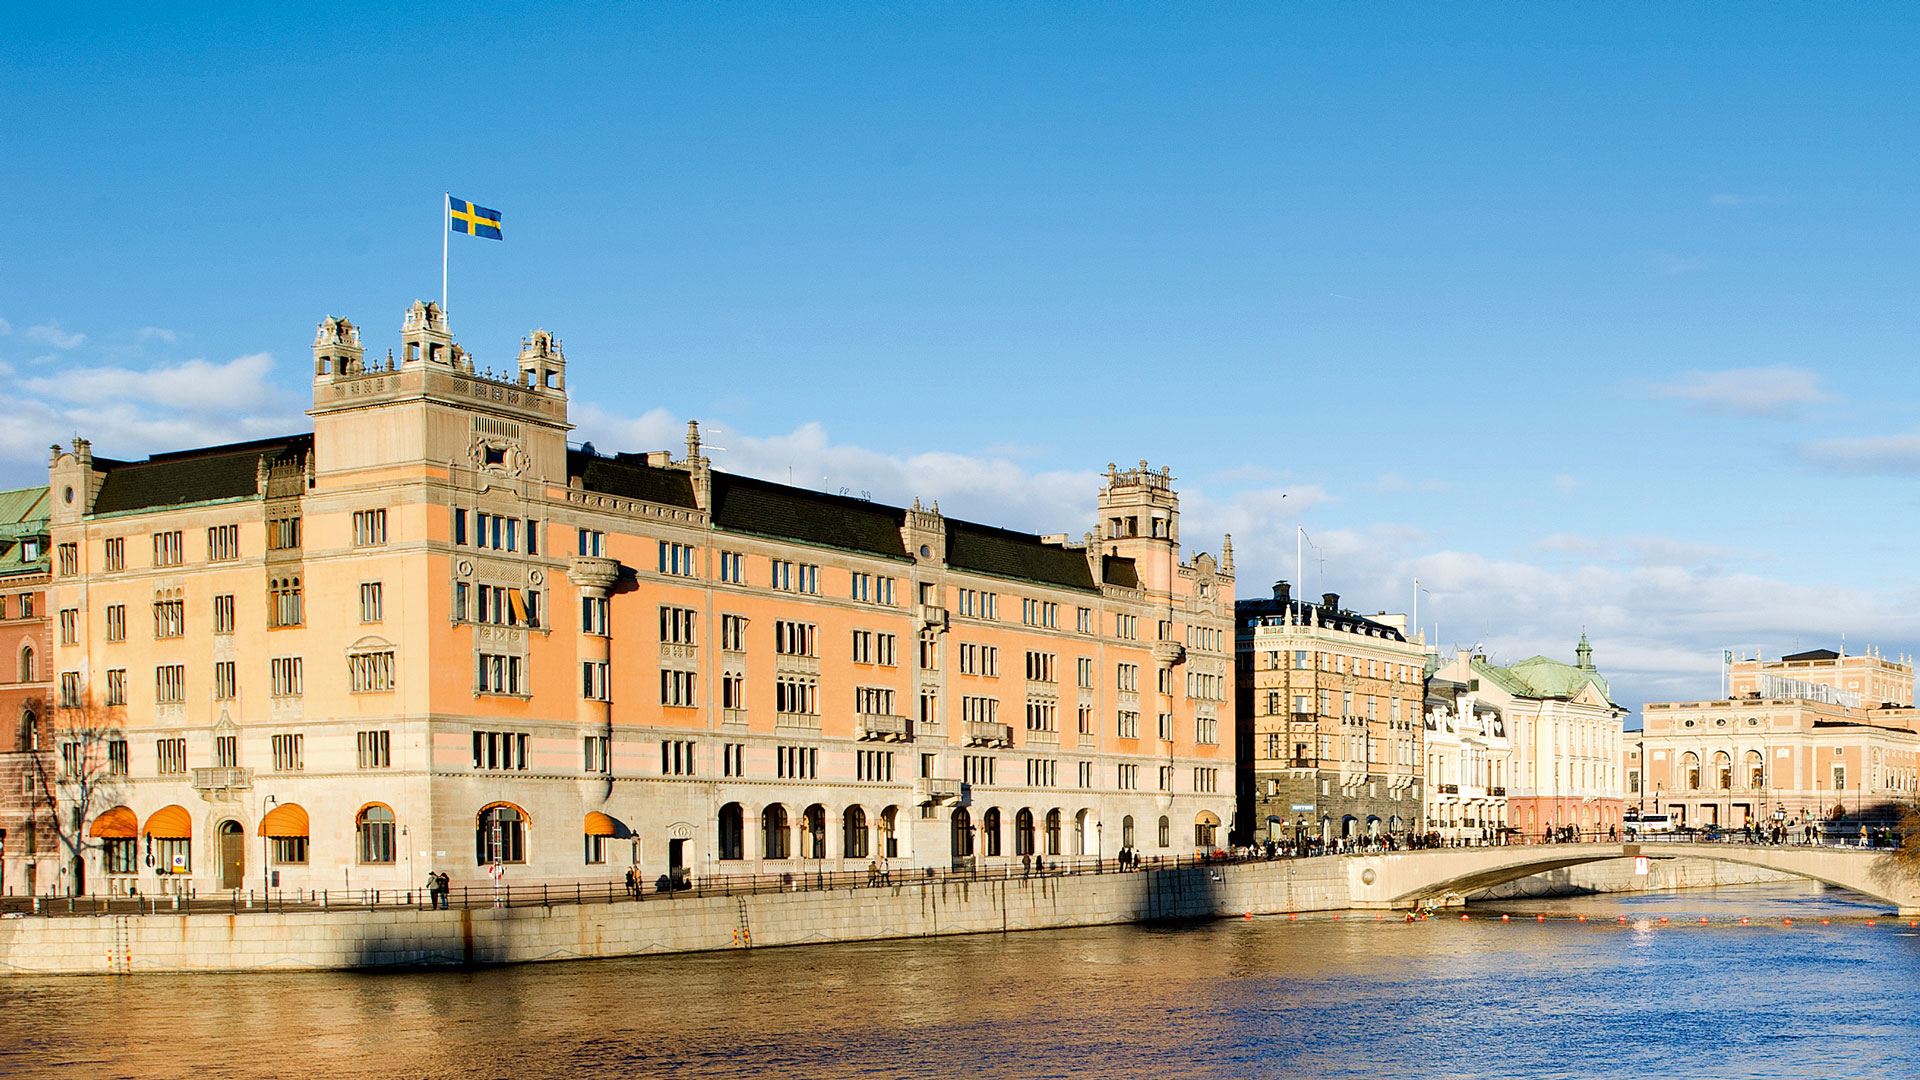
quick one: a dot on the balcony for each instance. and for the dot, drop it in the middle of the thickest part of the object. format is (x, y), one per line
(222, 778)
(1089, 741)
(1303, 763)
(933, 615)
(796, 665)
(670, 650)
(792, 721)
(1036, 737)
(883, 728)
(1448, 789)
(982, 733)
(1497, 792)
(939, 792)
(733, 717)
(1168, 653)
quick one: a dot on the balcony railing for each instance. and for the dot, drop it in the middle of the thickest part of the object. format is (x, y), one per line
(1497, 792)
(222, 778)
(882, 727)
(931, 789)
(984, 733)
(1449, 789)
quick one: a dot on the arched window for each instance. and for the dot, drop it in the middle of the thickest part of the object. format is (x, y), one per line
(1723, 770)
(1081, 842)
(501, 835)
(962, 833)
(1126, 831)
(733, 842)
(813, 839)
(1023, 832)
(29, 729)
(1053, 832)
(773, 832)
(1690, 770)
(990, 832)
(1166, 832)
(889, 839)
(853, 829)
(375, 835)
(28, 670)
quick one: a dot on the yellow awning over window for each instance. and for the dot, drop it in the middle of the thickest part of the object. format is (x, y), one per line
(170, 823)
(287, 820)
(1207, 818)
(599, 824)
(116, 824)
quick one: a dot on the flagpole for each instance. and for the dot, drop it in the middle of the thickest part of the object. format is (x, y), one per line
(446, 217)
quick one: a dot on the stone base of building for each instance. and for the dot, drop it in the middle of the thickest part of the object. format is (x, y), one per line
(1297, 808)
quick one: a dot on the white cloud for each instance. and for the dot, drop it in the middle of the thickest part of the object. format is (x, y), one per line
(51, 334)
(159, 333)
(1779, 390)
(132, 412)
(5, 327)
(1565, 483)
(1898, 454)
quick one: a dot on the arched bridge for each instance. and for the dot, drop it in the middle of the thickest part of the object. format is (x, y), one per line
(1446, 875)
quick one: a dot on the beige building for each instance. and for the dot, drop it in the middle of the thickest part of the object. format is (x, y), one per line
(1797, 742)
(1565, 733)
(430, 635)
(1330, 705)
(1469, 761)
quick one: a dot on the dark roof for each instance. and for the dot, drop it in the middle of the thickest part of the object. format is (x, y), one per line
(1119, 570)
(1249, 612)
(628, 476)
(984, 549)
(190, 476)
(1813, 654)
(742, 504)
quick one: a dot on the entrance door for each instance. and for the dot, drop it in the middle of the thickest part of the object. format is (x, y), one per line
(233, 855)
(677, 860)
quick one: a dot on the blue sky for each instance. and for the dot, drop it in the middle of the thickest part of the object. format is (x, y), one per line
(1582, 314)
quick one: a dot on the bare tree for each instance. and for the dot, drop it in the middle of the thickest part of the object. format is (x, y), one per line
(1906, 856)
(80, 777)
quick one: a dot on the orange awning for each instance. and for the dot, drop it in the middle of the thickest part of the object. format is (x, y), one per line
(287, 820)
(599, 824)
(1207, 818)
(116, 824)
(170, 823)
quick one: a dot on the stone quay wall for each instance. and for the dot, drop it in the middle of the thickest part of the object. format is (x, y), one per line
(1617, 876)
(387, 938)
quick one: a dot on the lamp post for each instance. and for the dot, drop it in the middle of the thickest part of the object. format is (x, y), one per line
(1099, 846)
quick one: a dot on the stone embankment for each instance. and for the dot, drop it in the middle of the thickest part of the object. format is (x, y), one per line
(400, 937)
(1617, 876)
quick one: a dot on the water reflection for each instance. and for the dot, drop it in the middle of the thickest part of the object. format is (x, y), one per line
(1353, 997)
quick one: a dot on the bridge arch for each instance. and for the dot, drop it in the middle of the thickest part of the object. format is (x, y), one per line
(1406, 879)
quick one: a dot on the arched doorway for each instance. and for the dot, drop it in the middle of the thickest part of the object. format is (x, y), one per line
(853, 829)
(773, 832)
(1083, 839)
(500, 835)
(1053, 832)
(962, 834)
(1023, 832)
(990, 833)
(813, 838)
(733, 833)
(233, 855)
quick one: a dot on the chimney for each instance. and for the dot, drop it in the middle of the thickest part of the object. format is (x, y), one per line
(1282, 593)
(1330, 601)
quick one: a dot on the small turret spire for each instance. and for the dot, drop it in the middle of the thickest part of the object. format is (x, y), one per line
(1583, 652)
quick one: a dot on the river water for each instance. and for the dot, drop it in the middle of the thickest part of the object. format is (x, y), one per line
(1266, 997)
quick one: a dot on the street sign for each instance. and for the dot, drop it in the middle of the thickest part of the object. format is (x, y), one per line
(1642, 865)
(1308, 807)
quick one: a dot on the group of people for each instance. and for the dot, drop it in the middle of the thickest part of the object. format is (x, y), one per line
(437, 889)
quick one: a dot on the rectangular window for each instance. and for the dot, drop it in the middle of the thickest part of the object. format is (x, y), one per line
(593, 680)
(116, 757)
(596, 754)
(1127, 778)
(285, 673)
(371, 609)
(283, 534)
(116, 686)
(1166, 778)
(289, 753)
(793, 638)
(795, 577)
(1206, 730)
(873, 765)
(170, 684)
(69, 626)
(863, 646)
(676, 559)
(797, 763)
(1083, 672)
(369, 528)
(223, 614)
(69, 689)
(733, 690)
(593, 543)
(733, 567)
(1166, 727)
(1129, 727)
(1086, 774)
(733, 759)
(116, 622)
(676, 758)
(1083, 620)
(873, 700)
(1042, 773)
(169, 618)
(226, 751)
(223, 680)
(678, 626)
(289, 850)
(733, 633)
(500, 751)
(370, 672)
(593, 615)
(375, 749)
(1206, 781)
(979, 710)
(172, 755)
(677, 688)
(495, 674)
(460, 528)
(288, 609)
(1126, 626)
(1127, 676)
(1040, 666)
(977, 770)
(116, 554)
(1043, 613)
(929, 651)
(1041, 715)
(533, 537)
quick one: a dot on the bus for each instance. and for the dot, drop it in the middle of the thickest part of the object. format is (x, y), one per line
(1647, 824)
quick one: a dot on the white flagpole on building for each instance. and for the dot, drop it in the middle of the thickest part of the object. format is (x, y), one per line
(446, 226)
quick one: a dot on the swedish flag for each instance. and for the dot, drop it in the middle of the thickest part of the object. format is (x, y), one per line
(473, 220)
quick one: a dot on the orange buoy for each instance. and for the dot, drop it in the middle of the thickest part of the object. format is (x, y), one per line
(1789, 922)
(1870, 922)
(1463, 918)
(1703, 922)
(1379, 916)
(1249, 914)
(1623, 918)
(1540, 918)
(1291, 916)
(1663, 920)
(1504, 918)
(1583, 918)
(1826, 922)
(1743, 922)
(1336, 916)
